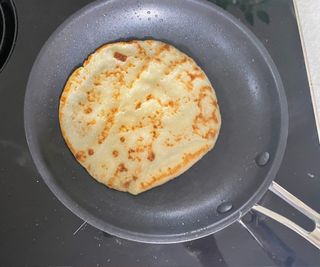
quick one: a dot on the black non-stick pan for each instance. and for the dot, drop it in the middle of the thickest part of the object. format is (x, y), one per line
(222, 186)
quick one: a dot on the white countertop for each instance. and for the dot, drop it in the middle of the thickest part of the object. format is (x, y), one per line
(308, 18)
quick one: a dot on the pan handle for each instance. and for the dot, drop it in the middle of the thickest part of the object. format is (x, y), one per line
(314, 236)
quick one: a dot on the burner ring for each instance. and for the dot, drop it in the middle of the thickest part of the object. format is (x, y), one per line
(8, 30)
(2, 26)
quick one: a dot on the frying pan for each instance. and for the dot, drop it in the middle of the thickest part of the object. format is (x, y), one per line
(228, 181)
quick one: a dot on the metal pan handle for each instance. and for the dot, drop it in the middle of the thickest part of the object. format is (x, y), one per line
(314, 236)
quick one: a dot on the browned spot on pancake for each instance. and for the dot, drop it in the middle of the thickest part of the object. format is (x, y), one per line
(88, 110)
(138, 104)
(97, 82)
(122, 168)
(80, 155)
(201, 97)
(131, 65)
(127, 184)
(93, 96)
(121, 79)
(120, 56)
(154, 134)
(110, 182)
(108, 74)
(116, 95)
(214, 117)
(122, 139)
(175, 105)
(215, 103)
(130, 152)
(189, 157)
(147, 60)
(134, 178)
(207, 89)
(200, 119)
(174, 64)
(162, 48)
(189, 87)
(90, 151)
(188, 84)
(123, 128)
(195, 76)
(140, 149)
(108, 124)
(180, 61)
(150, 96)
(139, 125)
(210, 134)
(115, 153)
(141, 51)
(63, 99)
(165, 47)
(88, 60)
(118, 73)
(151, 156)
(135, 153)
(77, 73)
(144, 67)
(167, 143)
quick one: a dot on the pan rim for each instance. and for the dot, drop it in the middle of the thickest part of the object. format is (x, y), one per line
(172, 238)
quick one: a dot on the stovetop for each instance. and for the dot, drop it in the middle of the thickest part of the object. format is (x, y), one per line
(37, 230)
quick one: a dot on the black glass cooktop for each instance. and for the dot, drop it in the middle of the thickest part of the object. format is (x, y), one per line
(37, 230)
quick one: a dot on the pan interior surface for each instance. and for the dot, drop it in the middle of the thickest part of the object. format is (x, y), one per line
(251, 100)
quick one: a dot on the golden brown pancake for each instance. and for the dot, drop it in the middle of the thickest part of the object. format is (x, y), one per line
(138, 114)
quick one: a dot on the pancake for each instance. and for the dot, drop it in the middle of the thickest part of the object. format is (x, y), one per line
(138, 114)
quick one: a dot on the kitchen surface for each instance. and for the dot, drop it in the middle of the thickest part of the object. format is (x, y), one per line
(37, 230)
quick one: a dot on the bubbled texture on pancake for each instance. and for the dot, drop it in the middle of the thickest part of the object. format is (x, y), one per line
(137, 114)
